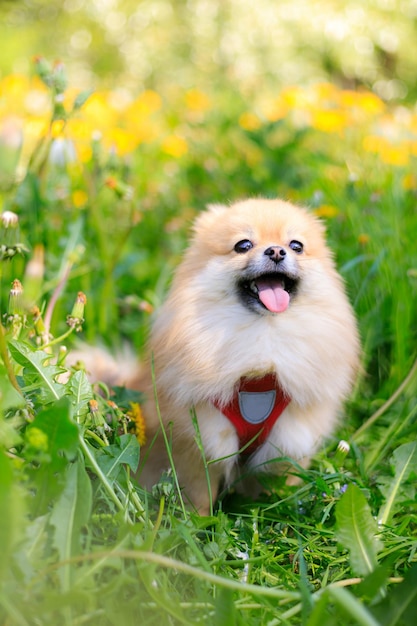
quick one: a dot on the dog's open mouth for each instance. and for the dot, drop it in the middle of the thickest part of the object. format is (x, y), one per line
(271, 291)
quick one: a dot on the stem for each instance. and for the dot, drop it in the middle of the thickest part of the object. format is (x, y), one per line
(55, 295)
(95, 219)
(159, 518)
(99, 473)
(4, 354)
(106, 312)
(164, 434)
(200, 446)
(96, 438)
(129, 500)
(122, 241)
(58, 339)
(138, 504)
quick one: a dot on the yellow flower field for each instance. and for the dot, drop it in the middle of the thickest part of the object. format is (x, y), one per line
(122, 122)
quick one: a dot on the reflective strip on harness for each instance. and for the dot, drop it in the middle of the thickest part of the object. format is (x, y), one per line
(254, 409)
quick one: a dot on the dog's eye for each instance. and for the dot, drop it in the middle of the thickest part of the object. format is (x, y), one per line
(243, 246)
(297, 246)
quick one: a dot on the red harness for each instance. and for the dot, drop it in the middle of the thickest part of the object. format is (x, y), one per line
(254, 409)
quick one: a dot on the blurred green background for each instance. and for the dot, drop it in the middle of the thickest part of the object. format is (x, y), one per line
(254, 46)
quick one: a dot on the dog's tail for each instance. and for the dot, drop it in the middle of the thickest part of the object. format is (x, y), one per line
(121, 369)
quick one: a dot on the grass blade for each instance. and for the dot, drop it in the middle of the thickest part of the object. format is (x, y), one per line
(353, 607)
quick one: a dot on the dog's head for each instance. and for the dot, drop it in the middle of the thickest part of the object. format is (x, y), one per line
(262, 251)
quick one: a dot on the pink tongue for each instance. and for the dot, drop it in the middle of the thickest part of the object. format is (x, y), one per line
(273, 296)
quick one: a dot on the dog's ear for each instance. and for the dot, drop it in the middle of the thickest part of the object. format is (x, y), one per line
(209, 229)
(208, 218)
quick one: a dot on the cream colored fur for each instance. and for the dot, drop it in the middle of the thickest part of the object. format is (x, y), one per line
(204, 339)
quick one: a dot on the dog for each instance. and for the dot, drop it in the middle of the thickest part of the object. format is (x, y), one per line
(252, 353)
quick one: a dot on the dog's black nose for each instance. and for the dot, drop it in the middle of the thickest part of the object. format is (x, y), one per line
(275, 253)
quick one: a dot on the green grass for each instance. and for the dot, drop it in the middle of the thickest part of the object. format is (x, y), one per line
(82, 543)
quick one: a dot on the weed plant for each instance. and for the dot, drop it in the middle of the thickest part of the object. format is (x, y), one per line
(97, 201)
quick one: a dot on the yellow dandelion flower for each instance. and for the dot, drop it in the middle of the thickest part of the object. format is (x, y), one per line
(138, 112)
(363, 239)
(366, 101)
(138, 117)
(413, 147)
(370, 103)
(17, 83)
(374, 143)
(78, 129)
(81, 134)
(33, 130)
(98, 112)
(412, 123)
(329, 121)
(398, 155)
(175, 146)
(196, 100)
(145, 130)
(84, 152)
(275, 110)
(295, 97)
(57, 128)
(79, 198)
(326, 210)
(14, 88)
(148, 102)
(119, 140)
(136, 415)
(347, 98)
(325, 91)
(249, 121)
(69, 98)
(409, 182)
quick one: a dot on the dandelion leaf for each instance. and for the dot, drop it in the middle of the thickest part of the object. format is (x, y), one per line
(10, 399)
(356, 531)
(9, 396)
(70, 512)
(126, 452)
(37, 374)
(80, 393)
(395, 489)
(51, 442)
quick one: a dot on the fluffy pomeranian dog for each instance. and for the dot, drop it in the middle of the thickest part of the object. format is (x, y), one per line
(257, 340)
